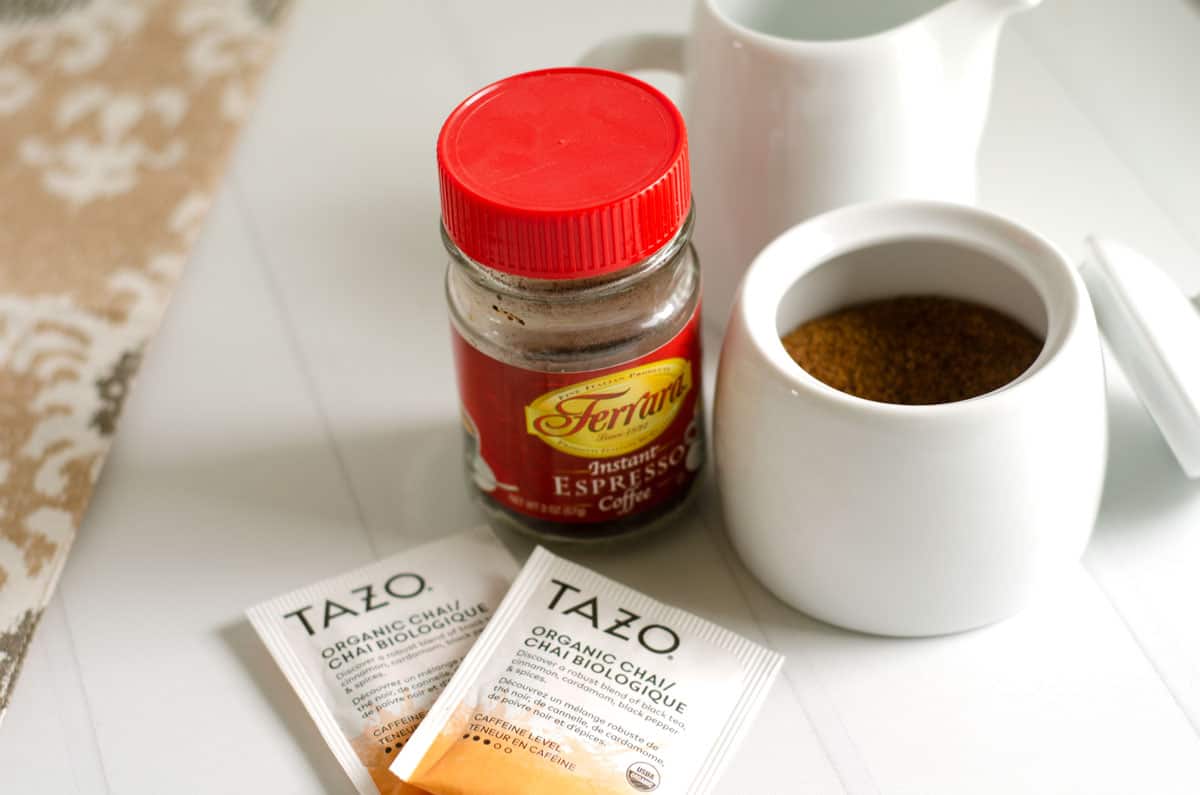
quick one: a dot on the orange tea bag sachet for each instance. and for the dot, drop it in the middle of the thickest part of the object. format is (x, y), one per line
(580, 685)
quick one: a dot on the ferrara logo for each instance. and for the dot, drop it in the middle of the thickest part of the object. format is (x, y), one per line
(614, 414)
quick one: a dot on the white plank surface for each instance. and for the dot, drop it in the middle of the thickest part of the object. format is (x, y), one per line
(296, 417)
(1132, 68)
(1146, 108)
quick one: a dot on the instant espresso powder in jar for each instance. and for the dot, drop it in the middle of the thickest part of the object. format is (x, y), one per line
(574, 296)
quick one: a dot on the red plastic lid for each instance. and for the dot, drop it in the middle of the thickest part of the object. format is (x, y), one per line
(564, 173)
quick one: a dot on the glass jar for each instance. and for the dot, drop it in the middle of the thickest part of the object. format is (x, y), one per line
(574, 294)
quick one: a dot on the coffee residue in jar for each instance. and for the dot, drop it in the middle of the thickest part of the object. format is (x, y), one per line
(914, 350)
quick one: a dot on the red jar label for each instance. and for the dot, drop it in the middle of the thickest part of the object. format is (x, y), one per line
(589, 446)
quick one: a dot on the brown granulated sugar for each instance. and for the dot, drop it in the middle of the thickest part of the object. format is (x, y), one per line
(914, 350)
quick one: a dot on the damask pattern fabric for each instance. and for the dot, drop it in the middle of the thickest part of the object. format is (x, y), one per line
(116, 118)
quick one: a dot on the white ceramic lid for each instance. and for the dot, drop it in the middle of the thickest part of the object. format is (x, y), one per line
(1154, 332)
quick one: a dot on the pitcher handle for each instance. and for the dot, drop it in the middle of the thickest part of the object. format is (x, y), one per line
(637, 51)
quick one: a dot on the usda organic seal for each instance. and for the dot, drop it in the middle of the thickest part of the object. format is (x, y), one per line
(642, 776)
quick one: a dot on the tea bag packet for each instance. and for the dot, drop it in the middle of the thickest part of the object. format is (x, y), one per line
(369, 651)
(582, 685)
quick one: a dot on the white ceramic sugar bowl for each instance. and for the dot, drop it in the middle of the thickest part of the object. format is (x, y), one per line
(909, 520)
(923, 520)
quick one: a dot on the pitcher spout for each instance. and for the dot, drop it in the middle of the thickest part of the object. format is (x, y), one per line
(968, 21)
(983, 10)
(972, 24)
(965, 33)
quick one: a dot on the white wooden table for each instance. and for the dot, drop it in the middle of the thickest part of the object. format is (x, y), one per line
(296, 417)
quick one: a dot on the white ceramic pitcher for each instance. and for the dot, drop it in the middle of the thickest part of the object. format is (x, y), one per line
(795, 107)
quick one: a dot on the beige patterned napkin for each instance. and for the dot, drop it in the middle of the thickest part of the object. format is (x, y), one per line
(116, 117)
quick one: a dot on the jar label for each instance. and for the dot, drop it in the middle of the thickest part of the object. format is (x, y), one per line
(584, 447)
